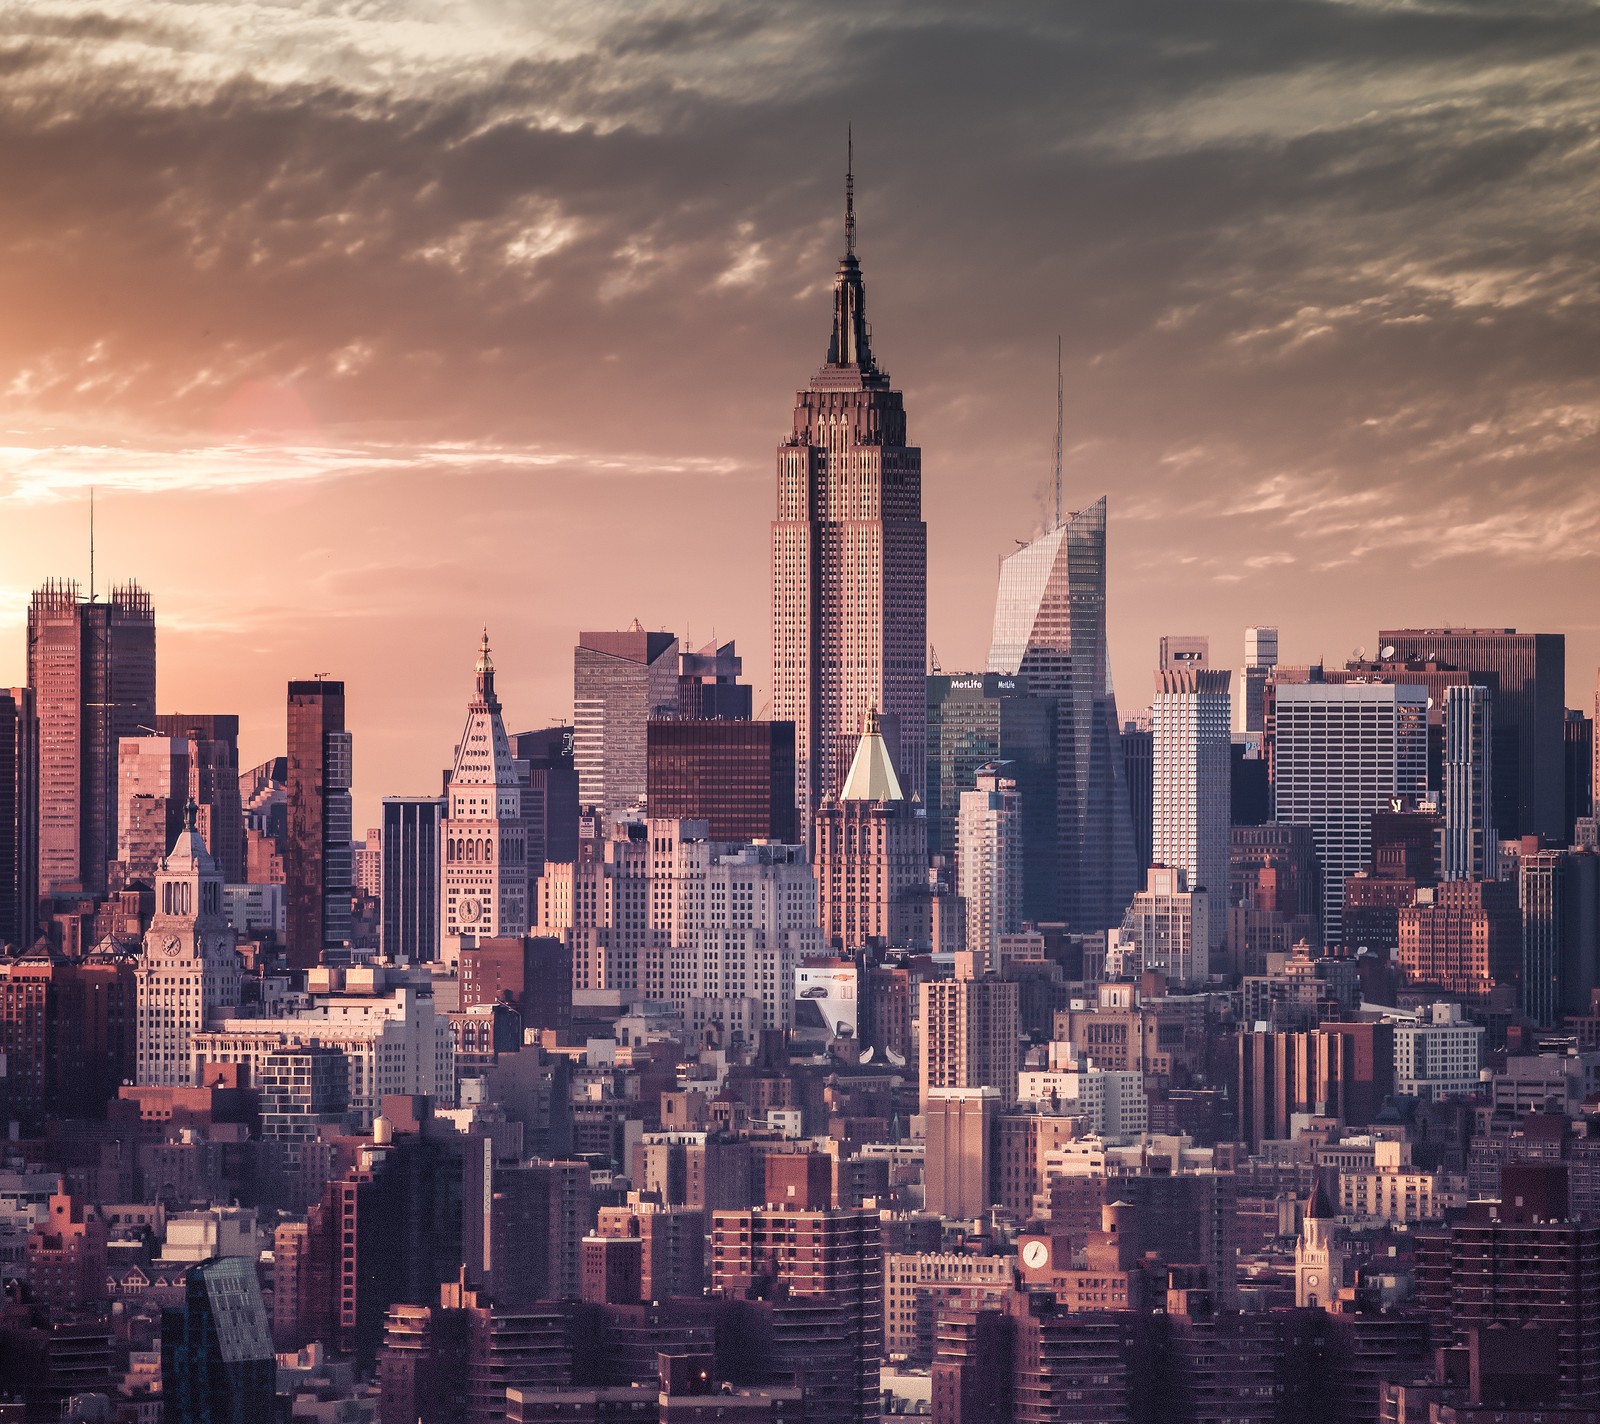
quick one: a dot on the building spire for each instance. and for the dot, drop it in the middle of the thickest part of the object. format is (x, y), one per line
(849, 191)
(485, 673)
(1058, 431)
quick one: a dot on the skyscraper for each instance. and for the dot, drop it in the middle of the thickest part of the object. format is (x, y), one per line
(1192, 781)
(152, 790)
(484, 875)
(213, 739)
(317, 862)
(619, 682)
(1340, 752)
(1260, 657)
(410, 897)
(737, 776)
(849, 561)
(92, 668)
(1470, 850)
(1529, 705)
(989, 860)
(1050, 626)
(708, 685)
(978, 718)
(969, 1035)
(19, 816)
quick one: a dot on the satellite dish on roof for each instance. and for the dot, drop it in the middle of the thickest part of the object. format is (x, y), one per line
(1386, 651)
(1360, 654)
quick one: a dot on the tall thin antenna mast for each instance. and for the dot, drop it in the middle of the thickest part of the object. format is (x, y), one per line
(91, 543)
(850, 192)
(1058, 432)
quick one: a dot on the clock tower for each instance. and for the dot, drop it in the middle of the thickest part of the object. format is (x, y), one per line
(483, 846)
(190, 974)
(1319, 1255)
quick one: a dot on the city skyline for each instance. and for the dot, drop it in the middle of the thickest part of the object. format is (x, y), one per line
(1403, 383)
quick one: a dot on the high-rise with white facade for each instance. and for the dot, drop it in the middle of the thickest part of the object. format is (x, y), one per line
(1050, 626)
(1191, 781)
(1260, 657)
(1341, 751)
(483, 878)
(190, 973)
(1470, 850)
(989, 859)
(849, 561)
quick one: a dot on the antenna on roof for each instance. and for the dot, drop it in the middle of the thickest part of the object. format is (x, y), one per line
(1059, 409)
(850, 191)
(91, 543)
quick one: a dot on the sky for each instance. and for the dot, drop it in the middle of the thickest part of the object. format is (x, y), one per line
(376, 322)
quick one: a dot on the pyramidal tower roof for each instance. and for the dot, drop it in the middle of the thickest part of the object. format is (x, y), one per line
(189, 855)
(484, 757)
(872, 775)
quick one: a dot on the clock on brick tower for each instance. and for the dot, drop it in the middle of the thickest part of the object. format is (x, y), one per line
(483, 843)
(189, 975)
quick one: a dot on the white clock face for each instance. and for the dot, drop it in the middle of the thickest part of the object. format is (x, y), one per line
(470, 910)
(1313, 1279)
(1035, 1255)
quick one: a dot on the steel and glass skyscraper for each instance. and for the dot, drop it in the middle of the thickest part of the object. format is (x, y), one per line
(849, 561)
(317, 861)
(92, 668)
(1050, 626)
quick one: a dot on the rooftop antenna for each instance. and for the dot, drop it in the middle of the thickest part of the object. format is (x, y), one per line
(850, 192)
(91, 543)
(1058, 431)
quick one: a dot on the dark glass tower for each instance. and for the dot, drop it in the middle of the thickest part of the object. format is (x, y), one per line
(92, 668)
(317, 862)
(1050, 627)
(849, 561)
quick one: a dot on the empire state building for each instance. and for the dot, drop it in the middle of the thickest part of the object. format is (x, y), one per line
(849, 560)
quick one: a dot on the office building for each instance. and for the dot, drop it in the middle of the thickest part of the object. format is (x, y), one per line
(620, 681)
(989, 860)
(1559, 893)
(1470, 850)
(1340, 753)
(1138, 760)
(1260, 658)
(1344, 1071)
(1184, 652)
(871, 850)
(960, 1132)
(317, 868)
(217, 1361)
(829, 1259)
(849, 561)
(551, 803)
(1529, 707)
(67, 1034)
(19, 817)
(735, 775)
(409, 899)
(483, 876)
(92, 670)
(1050, 627)
(1580, 762)
(1169, 925)
(1462, 937)
(969, 1036)
(1192, 792)
(1439, 1056)
(190, 974)
(709, 689)
(531, 973)
(978, 718)
(152, 790)
(213, 765)
(1274, 893)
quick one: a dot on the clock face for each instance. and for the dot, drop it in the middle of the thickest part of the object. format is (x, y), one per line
(1313, 1279)
(470, 910)
(170, 946)
(1035, 1255)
